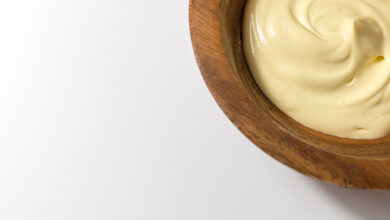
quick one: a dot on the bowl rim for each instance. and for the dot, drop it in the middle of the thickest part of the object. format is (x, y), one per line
(358, 171)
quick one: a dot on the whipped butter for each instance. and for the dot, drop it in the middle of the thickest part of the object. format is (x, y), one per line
(325, 63)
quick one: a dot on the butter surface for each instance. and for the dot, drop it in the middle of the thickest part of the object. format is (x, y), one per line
(325, 63)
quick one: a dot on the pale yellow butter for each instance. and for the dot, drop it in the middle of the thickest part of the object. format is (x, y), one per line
(325, 63)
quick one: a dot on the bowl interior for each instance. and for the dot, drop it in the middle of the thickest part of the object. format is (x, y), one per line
(231, 22)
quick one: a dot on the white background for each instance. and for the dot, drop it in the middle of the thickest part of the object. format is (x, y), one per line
(104, 115)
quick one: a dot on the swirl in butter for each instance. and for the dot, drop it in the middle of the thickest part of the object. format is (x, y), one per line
(325, 63)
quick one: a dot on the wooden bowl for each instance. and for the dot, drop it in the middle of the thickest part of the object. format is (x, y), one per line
(216, 37)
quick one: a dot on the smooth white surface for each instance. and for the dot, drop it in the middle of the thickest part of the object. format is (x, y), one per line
(104, 115)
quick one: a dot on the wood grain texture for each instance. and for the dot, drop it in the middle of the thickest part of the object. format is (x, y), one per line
(216, 36)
